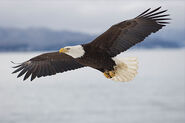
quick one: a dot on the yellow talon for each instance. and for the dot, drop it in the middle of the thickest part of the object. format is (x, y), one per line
(109, 74)
(112, 73)
(106, 74)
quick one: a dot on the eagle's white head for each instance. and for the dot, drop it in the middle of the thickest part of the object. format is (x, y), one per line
(74, 51)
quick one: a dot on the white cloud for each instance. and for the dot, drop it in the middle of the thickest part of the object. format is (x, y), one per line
(85, 16)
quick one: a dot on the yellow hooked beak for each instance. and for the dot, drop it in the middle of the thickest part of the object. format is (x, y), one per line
(63, 50)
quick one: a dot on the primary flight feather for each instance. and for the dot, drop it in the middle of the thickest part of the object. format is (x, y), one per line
(101, 53)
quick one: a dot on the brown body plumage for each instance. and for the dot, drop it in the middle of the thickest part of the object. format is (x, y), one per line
(99, 53)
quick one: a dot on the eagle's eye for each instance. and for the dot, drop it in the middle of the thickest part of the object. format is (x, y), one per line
(67, 48)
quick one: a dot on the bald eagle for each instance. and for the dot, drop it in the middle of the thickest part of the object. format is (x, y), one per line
(101, 53)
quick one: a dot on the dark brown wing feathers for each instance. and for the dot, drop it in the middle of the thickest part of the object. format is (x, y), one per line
(115, 40)
(46, 64)
(124, 35)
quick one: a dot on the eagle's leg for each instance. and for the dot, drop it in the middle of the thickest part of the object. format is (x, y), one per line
(106, 74)
(112, 73)
(109, 74)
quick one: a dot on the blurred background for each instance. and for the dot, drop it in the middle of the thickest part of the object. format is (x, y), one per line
(31, 27)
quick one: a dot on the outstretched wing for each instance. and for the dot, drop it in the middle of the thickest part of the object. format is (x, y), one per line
(47, 64)
(124, 35)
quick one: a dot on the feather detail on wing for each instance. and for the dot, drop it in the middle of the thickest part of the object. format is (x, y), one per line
(124, 35)
(46, 64)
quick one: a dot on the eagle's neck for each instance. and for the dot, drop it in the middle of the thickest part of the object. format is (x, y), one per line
(76, 51)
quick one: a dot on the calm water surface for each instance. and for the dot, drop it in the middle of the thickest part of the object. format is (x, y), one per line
(156, 95)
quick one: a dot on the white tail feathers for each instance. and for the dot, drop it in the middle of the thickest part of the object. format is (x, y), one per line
(125, 69)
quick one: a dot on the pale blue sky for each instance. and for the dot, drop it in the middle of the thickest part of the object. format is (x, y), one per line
(91, 16)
